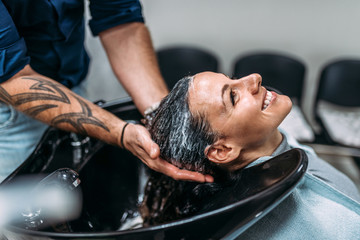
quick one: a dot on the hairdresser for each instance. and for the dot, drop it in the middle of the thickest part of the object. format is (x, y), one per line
(43, 62)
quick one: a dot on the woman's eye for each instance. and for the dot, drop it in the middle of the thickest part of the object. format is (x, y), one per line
(232, 97)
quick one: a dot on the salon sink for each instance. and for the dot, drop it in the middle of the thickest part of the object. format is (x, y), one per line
(112, 183)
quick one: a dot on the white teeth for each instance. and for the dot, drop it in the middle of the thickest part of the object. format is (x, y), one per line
(267, 100)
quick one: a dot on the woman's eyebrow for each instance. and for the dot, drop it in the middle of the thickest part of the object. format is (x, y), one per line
(225, 75)
(223, 90)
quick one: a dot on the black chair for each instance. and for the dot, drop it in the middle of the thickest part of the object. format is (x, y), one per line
(286, 74)
(177, 62)
(112, 183)
(337, 104)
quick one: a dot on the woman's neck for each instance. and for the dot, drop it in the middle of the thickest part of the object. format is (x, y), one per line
(265, 149)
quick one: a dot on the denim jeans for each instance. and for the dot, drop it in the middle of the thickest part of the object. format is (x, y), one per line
(19, 135)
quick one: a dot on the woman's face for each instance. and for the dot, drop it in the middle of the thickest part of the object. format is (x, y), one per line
(241, 110)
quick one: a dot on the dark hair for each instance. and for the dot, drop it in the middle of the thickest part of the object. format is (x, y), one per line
(182, 137)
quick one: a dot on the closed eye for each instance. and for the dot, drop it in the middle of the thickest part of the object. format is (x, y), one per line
(232, 97)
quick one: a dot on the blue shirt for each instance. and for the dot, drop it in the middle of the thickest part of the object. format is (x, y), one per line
(49, 34)
(324, 206)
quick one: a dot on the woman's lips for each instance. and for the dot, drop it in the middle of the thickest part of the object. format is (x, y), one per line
(268, 99)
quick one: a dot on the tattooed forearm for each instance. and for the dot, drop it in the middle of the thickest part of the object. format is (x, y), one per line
(51, 89)
(44, 89)
(78, 119)
(33, 111)
(5, 96)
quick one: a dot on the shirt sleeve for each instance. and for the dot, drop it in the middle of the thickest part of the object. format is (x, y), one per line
(110, 13)
(12, 47)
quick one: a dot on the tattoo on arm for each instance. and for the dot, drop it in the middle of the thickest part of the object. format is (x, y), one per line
(47, 90)
(77, 119)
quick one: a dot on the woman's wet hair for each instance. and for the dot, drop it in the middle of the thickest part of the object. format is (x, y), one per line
(181, 135)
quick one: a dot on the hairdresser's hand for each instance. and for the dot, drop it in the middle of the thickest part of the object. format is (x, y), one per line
(138, 141)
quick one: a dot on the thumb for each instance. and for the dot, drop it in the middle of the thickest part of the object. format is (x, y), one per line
(154, 151)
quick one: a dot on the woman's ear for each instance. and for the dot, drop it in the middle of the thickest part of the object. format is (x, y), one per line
(221, 152)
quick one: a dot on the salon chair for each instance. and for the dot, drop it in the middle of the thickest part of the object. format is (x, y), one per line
(337, 106)
(180, 61)
(112, 183)
(286, 74)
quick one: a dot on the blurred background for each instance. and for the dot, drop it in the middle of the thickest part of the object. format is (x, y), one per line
(314, 32)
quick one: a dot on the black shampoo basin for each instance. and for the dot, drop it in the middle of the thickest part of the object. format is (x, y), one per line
(112, 183)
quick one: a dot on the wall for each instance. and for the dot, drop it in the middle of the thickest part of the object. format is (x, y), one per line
(314, 31)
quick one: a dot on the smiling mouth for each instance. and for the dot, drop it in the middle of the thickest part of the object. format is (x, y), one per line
(267, 100)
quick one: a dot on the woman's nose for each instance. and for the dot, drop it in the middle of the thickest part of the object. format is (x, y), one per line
(252, 82)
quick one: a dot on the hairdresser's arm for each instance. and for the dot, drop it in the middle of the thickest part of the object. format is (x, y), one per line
(52, 103)
(134, 63)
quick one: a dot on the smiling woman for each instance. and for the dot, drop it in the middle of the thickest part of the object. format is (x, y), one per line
(240, 111)
(226, 122)
(216, 125)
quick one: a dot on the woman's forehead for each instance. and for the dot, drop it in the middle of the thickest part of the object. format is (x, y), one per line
(205, 92)
(201, 81)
